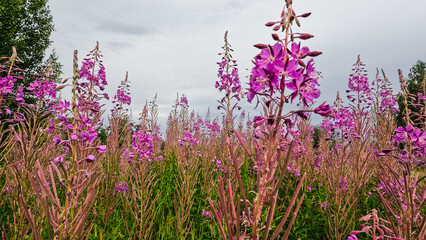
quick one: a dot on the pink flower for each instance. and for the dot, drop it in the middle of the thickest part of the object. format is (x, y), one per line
(59, 159)
(258, 120)
(101, 148)
(90, 158)
(323, 110)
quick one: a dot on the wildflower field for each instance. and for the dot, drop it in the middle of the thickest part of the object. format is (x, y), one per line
(72, 169)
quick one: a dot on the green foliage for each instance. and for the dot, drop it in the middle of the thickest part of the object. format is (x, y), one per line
(27, 25)
(415, 85)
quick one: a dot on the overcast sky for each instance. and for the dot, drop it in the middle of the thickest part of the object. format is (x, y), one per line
(171, 46)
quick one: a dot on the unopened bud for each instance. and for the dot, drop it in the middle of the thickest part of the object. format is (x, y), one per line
(305, 15)
(297, 22)
(314, 54)
(305, 36)
(270, 24)
(260, 46)
(276, 28)
(275, 37)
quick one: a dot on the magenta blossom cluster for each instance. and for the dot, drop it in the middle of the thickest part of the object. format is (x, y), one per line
(384, 94)
(122, 97)
(275, 70)
(359, 84)
(91, 84)
(189, 139)
(413, 135)
(184, 102)
(359, 87)
(96, 78)
(206, 214)
(75, 124)
(229, 82)
(340, 124)
(121, 188)
(6, 85)
(206, 127)
(43, 90)
(219, 165)
(142, 146)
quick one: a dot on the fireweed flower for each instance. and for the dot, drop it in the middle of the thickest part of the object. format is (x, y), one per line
(44, 90)
(122, 97)
(142, 148)
(20, 95)
(219, 165)
(101, 148)
(384, 93)
(59, 159)
(323, 110)
(188, 138)
(297, 52)
(229, 83)
(121, 187)
(90, 158)
(206, 214)
(258, 120)
(6, 85)
(415, 136)
(359, 84)
(97, 79)
(273, 71)
(359, 91)
(184, 102)
(127, 156)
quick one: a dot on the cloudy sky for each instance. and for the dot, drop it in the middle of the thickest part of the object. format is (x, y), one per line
(171, 46)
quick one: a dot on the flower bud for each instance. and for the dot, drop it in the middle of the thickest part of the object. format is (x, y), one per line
(258, 120)
(323, 110)
(297, 22)
(275, 37)
(260, 46)
(305, 36)
(305, 15)
(314, 53)
(270, 24)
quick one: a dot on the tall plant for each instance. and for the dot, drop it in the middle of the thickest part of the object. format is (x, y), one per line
(280, 75)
